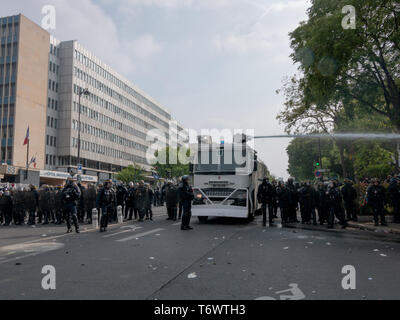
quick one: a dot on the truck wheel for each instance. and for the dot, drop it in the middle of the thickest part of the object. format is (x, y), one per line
(203, 219)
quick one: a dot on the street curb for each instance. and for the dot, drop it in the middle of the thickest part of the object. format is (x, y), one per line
(373, 229)
(369, 230)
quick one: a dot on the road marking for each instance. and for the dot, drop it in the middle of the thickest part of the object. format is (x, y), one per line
(121, 232)
(35, 248)
(140, 235)
(177, 224)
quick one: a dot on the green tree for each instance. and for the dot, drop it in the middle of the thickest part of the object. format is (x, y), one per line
(338, 65)
(348, 81)
(171, 168)
(132, 173)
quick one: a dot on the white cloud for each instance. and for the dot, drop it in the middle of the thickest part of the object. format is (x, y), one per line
(213, 63)
(267, 31)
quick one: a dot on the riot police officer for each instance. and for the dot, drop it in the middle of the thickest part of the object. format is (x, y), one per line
(32, 204)
(322, 203)
(70, 196)
(171, 197)
(81, 203)
(44, 204)
(121, 196)
(106, 201)
(149, 203)
(335, 206)
(349, 197)
(59, 205)
(293, 200)
(266, 196)
(7, 207)
(18, 205)
(376, 199)
(89, 201)
(283, 197)
(130, 202)
(141, 197)
(186, 195)
(307, 201)
(394, 197)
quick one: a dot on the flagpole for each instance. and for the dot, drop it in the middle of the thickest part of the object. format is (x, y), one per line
(27, 160)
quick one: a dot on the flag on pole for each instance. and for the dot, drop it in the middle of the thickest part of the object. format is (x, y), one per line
(33, 161)
(26, 141)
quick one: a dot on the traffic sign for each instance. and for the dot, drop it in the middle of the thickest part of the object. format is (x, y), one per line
(318, 174)
(79, 169)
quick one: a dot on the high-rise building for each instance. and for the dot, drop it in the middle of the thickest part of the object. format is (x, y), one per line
(42, 82)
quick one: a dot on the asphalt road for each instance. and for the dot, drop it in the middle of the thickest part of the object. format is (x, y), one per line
(223, 259)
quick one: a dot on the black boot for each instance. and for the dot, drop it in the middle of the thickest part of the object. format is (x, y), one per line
(76, 224)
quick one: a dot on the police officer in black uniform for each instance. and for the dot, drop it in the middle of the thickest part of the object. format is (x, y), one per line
(266, 196)
(130, 202)
(335, 208)
(394, 197)
(186, 196)
(141, 197)
(149, 203)
(106, 201)
(293, 200)
(172, 199)
(70, 196)
(322, 203)
(307, 200)
(121, 196)
(376, 199)
(283, 197)
(349, 197)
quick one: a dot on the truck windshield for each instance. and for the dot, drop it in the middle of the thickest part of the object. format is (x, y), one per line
(219, 161)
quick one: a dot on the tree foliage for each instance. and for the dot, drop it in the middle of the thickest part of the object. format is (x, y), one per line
(168, 165)
(132, 173)
(348, 81)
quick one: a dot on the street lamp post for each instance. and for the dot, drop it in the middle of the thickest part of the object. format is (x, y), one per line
(86, 93)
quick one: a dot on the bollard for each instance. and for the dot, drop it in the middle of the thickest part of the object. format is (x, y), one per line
(119, 214)
(95, 219)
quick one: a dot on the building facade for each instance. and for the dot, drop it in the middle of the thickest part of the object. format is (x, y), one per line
(42, 81)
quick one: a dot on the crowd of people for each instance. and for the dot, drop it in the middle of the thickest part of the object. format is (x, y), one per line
(74, 203)
(319, 202)
(322, 201)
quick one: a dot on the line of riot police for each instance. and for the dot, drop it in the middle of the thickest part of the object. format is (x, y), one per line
(73, 204)
(322, 202)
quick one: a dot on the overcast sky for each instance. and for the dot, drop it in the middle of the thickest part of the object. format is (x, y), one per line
(212, 63)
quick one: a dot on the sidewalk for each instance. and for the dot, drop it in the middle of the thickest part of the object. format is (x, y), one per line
(367, 223)
(364, 223)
